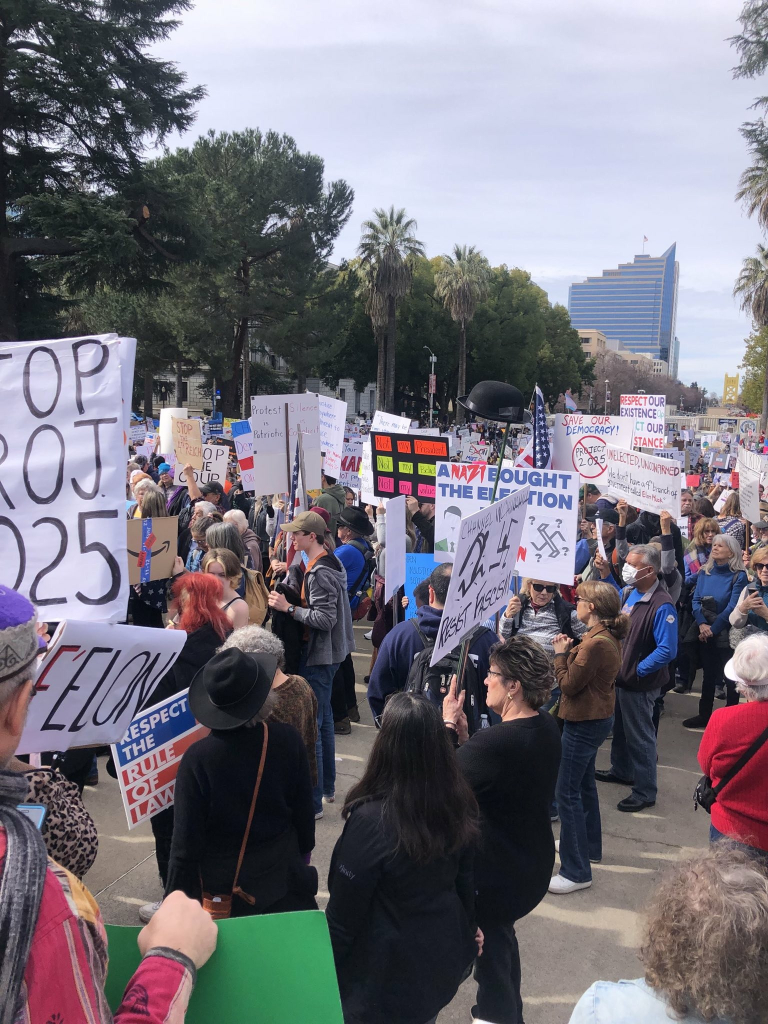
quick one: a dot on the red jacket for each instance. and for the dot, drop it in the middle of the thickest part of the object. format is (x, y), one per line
(741, 810)
(67, 965)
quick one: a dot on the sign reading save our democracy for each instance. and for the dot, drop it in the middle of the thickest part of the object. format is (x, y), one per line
(580, 440)
(644, 481)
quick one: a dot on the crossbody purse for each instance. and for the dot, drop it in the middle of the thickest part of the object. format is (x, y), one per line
(706, 794)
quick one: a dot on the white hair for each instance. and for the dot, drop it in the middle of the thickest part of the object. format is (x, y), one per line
(256, 640)
(142, 485)
(205, 507)
(735, 562)
(236, 516)
(750, 664)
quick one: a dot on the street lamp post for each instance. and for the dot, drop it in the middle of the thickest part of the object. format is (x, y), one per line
(432, 380)
(607, 396)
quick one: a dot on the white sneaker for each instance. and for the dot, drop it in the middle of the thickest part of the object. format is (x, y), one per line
(368, 635)
(318, 816)
(560, 885)
(329, 799)
(148, 911)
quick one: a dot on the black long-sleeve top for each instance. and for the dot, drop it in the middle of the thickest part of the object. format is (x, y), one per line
(214, 788)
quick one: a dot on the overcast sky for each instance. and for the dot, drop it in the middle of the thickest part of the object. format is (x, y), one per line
(552, 134)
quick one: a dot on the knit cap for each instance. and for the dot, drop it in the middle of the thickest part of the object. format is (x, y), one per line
(18, 633)
(164, 467)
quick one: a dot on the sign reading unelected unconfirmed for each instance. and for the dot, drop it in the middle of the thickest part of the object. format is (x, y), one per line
(645, 482)
(147, 758)
(648, 413)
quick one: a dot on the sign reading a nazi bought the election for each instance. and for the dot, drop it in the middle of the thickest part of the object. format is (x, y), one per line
(405, 464)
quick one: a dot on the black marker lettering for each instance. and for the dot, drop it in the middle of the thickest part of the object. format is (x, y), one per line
(40, 414)
(80, 375)
(38, 498)
(89, 495)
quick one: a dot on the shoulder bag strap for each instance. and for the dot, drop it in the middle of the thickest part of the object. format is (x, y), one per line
(236, 890)
(423, 636)
(745, 757)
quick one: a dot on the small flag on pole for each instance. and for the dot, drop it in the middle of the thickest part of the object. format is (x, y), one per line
(645, 238)
(570, 403)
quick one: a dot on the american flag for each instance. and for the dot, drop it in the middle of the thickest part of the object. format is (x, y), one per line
(294, 506)
(536, 453)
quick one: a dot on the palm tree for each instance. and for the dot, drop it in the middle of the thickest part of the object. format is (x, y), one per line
(751, 289)
(388, 252)
(461, 282)
(376, 308)
(753, 189)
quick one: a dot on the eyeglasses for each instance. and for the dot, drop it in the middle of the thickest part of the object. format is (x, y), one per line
(493, 672)
(584, 599)
(539, 587)
(759, 566)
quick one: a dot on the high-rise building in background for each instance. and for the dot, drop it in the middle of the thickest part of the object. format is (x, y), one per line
(634, 306)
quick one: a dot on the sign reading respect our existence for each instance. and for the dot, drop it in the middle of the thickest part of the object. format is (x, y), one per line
(405, 464)
(93, 679)
(148, 755)
(486, 554)
(548, 542)
(644, 481)
(648, 413)
(62, 476)
(580, 440)
(214, 468)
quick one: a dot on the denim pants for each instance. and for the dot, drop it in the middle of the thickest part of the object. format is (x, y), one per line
(715, 836)
(713, 661)
(320, 678)
(633, 751)
(577, 801)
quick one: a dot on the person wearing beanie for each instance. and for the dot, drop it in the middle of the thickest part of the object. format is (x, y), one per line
(53, 960)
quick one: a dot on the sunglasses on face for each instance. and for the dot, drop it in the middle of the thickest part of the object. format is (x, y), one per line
(759, 566)
(542, 587)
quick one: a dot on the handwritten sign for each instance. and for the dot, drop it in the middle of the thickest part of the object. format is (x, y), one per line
(580, 440)
(215, 460)
(406, 464)
(333, 416)
(647, 411)
(352, 457)
(187, 442)
(751, 467)
(644, 481)
(242, 435)
(417, 568)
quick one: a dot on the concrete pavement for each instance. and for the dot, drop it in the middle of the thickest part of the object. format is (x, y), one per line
(566, 944)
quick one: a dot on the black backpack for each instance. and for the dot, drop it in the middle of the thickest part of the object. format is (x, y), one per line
(433, 680)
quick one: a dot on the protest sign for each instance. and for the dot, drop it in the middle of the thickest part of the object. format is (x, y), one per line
(352, 456)
(727, 423)
(693, 480)
(388, 423)
(215, 459)
(127, 356)
(167, 417)
(580, 440)
(549, 538)
(417, 568)
(476, 451)
(751, 467)
(151, 548)
(366, 475)
(62, 476)
(187, 442)
(93, 679)
(394, 576)
(145, 449)
(482, 570)
(148, 754)
(242, 435)
(277, 421)
(332, 414)
(405, 464)
(644, 481)
(748, 427)
(137, 434)
(304, 419)
(707, 440)
(647, 411)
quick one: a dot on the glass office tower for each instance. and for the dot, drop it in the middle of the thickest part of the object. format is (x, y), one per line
(635, 305)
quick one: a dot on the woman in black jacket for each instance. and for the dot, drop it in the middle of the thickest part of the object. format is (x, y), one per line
(401, 908)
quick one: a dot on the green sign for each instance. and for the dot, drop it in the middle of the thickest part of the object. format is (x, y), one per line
(267, 969)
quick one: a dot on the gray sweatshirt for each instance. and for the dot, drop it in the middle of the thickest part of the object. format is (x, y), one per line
(327, 613)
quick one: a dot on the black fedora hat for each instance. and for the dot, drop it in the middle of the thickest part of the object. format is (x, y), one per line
(494, 400)
(356, 520)
(231, 688)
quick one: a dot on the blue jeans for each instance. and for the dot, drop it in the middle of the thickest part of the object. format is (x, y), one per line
(577, 801)
(320, 678)
(633, 751)
(715, 836)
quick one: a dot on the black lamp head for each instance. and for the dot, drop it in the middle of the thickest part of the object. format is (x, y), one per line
(494, 400)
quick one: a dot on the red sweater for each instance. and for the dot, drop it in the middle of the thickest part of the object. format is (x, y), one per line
(741, 810)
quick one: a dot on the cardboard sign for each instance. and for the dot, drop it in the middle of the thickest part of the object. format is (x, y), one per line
(476, 451)
(405, 464)
(332, 415)
(580, 440)
(394, 576)
(644, 481)
(62, 476)
(215, 460)
(242, 435)
(417, 568)
(92, 681)
(352, 457)
(751, 467)
(187, 442)
(482, 570)
(647, 411)
(148, 754)
(151, 548)
(548, 543)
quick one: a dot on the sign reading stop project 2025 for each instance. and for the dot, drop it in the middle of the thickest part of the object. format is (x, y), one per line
(580, 440)
(62, 477)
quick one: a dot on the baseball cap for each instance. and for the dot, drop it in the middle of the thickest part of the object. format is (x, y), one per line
(306, 522)
(608, 515)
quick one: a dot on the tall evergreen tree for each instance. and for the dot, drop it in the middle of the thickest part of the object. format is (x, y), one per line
(751, 289)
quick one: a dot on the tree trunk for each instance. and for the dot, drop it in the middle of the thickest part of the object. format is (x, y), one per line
(389, 403)
(381, 368)
(179, 383)
(8, 329)
(246, 368)
(764, 417)
(461, 388)
(148, 395)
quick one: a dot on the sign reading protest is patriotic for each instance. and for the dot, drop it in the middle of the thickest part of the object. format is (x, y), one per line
(580, 440)
(62, 476)
(548, 541)
(644, 481)
(482, 569)
(751, 467)
(148, 755)
(93, 679)
(215, 459)
(277, 422)
(405, 464)
(647, 411)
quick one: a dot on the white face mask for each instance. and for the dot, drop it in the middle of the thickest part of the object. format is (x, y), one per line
(629, 574)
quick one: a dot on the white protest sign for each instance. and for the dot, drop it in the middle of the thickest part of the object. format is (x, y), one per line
(127, 365)
(751, 466)
(304, 418)
(644, 481)
(476, 451)
(269, 444)
(333, 416)
(482, 570)
(647, 411)
(62, 476)
(352, 456)
(167, 417)
(707, 440)
(137, 434)
(580, 440)
(366, 475)
(215, 458)
(242, 436)
(93, 679)
(388, 423)
(395, 547)
(548, 542)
